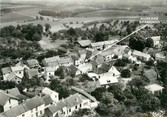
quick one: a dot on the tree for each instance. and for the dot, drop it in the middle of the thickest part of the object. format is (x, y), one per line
(149, 43)
(36, 37)
(137, 43)
(164, 98)
(47, 27)
(120, 63)
(100, 37)
(98, 93)
(125, 73)
(7, 85)
(72, 32)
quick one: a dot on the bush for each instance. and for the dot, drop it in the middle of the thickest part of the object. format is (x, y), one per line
(125, 73)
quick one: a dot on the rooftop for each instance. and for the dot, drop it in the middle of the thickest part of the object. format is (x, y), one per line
(6, 70)
(84, 43)
(154, 87)
(32, 62)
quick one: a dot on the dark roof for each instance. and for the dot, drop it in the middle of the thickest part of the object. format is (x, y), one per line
(73, 100)
(104, 67)
(32, 72)
(34, 102)
(72, 68)
(15, 111)
(99, 59)
(47, 99)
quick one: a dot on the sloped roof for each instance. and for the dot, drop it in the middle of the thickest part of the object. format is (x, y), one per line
(73, 68)
(110, 42)
(17, 68)
(48, 91)
(104, 67)
(107, 78)
(154, 87)
(99, 59)
(114, 70)
(138, 53)
(34, 102)
(32, 62)
(6, 70)
(73, 100)
(156, 38)
(4, 97)
(47, 99)
(12, 75)
(32, 72)
(15, 111)
(84, 43)
(64, 60)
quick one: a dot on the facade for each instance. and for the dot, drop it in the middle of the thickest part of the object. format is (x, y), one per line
(6, 72)
(49, 72)
(54, 95)
(7, 101)
(33, 107)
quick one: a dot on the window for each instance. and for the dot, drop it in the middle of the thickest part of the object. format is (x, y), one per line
(20, 72)
(23, 115)
(41, 112)
(80, 105)
(75, 107)
(9, 101)
(69, 110)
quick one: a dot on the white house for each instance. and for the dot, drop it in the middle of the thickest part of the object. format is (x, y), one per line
(140, 55)
(49, 71)
(7, 101)
(84, 68)
(156, 40)
(67, 106)
(54, 95)
(107, 79)
(6, 72)
(33, 107)
(153, 88)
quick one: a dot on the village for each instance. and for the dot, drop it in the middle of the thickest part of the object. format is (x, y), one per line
(75, 63)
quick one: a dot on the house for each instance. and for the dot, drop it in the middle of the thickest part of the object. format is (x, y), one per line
(33, 107)
(114, 71)
(51, 62)
(32, 63)
(82, 55)
(103, 44)
(79, 57)
(84, 43)
(65, 61)
(6, 72)
(49, 72)
(67, 106)
(103, 68)
(96, 63)
(18, 70)
(84, 68)
(76, 59)
(93, 102)
(54, 95)
(153, 88)
(30, 73)
(90, 53)
(48, 100)
(156, 40)
(15, 92)
(74, 70)
(14, 78)
(62, 50)
(107, 79)
(7, 101)
(140, 55)
(161, 56)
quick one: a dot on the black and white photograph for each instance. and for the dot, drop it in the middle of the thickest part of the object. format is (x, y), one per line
(83, 58)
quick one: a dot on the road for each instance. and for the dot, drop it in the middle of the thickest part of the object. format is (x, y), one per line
(118, 41)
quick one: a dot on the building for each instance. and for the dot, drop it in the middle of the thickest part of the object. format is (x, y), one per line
(30, 73)
(107, 79)
(66, 61)
(141, 56)
(156, 40)
(74, 71)
(54, 95)
(103, 44)
(18, 70)
(33, 107)
(7, 101)
(97, 63)
(49, 72)
(153, 88)
(67, 106)
(51, 62)
(6, 72)
(32, 63)
(84, 43)
(84, 68)
(14, 78)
